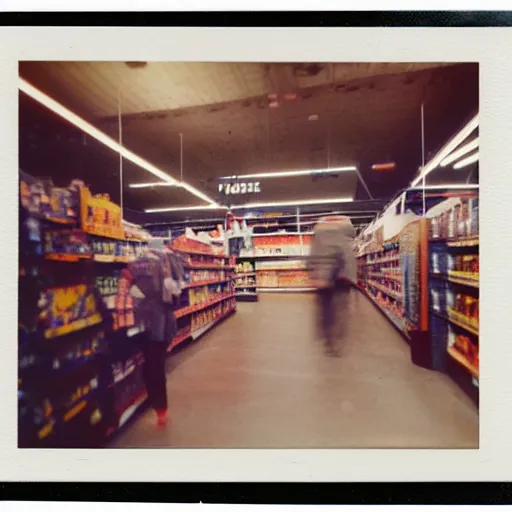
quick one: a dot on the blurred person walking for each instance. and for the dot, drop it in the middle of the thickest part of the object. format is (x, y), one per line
(332, 267)
(154, 287)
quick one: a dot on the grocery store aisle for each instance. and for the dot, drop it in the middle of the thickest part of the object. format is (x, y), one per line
(261, 380)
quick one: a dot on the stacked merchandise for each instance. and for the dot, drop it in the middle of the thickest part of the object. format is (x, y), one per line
(285, 244)
(282, 274)
(426, 280)
(245, 282)
(278, 261)
(208, 294)
(80, 357)
(67, 352)
(392, 273)
(116, 243)
(454, 290)
(380, 275)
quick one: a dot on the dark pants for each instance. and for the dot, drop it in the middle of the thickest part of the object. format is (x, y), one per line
(333, 305)
(156, 382)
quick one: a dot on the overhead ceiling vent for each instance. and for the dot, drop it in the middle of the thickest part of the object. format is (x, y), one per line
(136, 64)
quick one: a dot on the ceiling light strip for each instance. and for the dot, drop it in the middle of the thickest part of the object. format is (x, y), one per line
(447, 149)
(448, 186)
(288, 174)
(471, 159)
(297, 202)
(186, 208)
(88, 128)
(452, 157)
(151, 185)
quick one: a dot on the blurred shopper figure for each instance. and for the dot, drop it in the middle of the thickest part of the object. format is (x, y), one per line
(332, 266)
(154, 289)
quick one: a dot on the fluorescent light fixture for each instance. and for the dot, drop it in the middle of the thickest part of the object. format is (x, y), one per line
(298, 202)
(88, 128)
(448, 186)
(287, 174)
(186, 208)
(151, 185)
(471, 159)
(199, 194)
(447, 149)
(470, 146)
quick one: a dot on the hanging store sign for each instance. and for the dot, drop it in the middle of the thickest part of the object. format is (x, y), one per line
(238, 187)
(100, 216)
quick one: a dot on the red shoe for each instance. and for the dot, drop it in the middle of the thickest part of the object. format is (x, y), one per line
(161, 418)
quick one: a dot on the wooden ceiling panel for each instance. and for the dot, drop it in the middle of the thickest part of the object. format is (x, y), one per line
(93, 87)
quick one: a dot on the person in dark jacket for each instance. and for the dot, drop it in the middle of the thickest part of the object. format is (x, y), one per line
(153, 290)
(333, 269)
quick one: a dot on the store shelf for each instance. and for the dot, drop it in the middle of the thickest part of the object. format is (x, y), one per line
(285, 289)
(455, 354)
(282, 233)
(456, 279)
(382, 261)
(272, 256)
(197, 284)
(209, 267)
(198, 332)
(399, 324)
(387, 291)
(177, 340)
(242, 286)
(244, 274)
(457, 322)
(198, 307)
(75, 326)
(394, 276)
(132, 409)
(466, 278)
(107, 258)
(71, 258)
(464, 242)
(284, 269)
(200, 253)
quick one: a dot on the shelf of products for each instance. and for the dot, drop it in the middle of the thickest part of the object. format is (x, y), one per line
(69, 348)
(454, 289)
(286, 272)
(209, 293)
(389, 272)
(390, 309)
(202, 304)
(241, 275)
(245, 281)
(295, 289)
(190, 246)
(206, 283)
(270, 245)
(202, 322)
(464, 361)
(208, 266)
(245, 286)
(464, 242)
(81, 365)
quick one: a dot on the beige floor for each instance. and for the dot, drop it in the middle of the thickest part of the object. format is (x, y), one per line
(261, 380)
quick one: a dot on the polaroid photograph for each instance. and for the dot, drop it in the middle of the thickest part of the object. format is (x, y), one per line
(255, 248)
